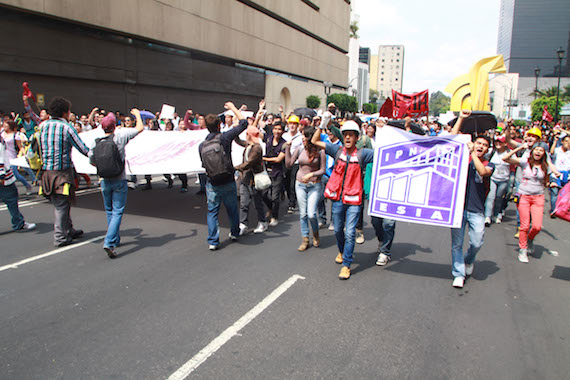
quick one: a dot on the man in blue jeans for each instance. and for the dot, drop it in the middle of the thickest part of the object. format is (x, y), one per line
(474, 209)
(114, 190)
(223, 187)
(345, 189)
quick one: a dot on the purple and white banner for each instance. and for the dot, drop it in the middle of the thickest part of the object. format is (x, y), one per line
(419, 179)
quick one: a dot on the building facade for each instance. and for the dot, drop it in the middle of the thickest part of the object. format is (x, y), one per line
(192, 53)
(390, 69)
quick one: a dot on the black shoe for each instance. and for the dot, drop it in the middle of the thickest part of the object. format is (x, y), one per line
(148, 186)
(110, 252)
(170, 183)
(64, 243)
(77, 234)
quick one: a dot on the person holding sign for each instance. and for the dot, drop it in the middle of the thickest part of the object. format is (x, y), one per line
(474, 210)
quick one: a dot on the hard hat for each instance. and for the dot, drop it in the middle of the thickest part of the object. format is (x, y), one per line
(350, 126)
(293, 119)
(535, 131)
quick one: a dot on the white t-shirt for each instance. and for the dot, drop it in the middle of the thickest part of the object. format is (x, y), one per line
(296, 141)
(502, 168)
(532, 182)
(562, 159)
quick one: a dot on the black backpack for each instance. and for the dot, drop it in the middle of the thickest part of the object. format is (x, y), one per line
(107, 158)
(217, 164)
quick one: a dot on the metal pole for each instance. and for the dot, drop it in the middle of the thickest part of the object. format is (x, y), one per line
(535, 87)
(558, 90)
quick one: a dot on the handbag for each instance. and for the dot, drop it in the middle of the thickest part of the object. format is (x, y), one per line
(262, 180)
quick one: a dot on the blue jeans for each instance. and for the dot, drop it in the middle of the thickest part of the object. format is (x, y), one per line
(227, 194)
(19, 177)
(114, 198)
(322, 206)
(494, 201)
(9, 195)
(385, 230)
(476, 222)
(345, 218)
(308, 196)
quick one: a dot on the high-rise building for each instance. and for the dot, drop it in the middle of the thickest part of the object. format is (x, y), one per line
(530, 33)
(364, 55)
(390, 69)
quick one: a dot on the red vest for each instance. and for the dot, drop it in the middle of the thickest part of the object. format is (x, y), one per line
(346, 180)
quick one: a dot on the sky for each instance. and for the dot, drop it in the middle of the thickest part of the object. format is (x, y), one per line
(442, 38)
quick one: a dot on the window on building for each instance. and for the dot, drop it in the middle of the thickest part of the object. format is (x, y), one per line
(397, 60)
(382, 60)
(382, 79)
(396, 79)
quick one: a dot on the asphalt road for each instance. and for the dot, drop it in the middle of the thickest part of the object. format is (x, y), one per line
(77, 314)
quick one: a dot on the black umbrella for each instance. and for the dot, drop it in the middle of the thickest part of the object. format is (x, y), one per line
(477, 123)
(304, 111)
(415, 128)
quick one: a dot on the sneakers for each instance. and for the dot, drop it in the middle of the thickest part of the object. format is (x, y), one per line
(499, 219)
(518, 232)
(487, 221)
(261, 227)
(132, 185)
(359, 237)
(28, 227)
(338, 258)
(212, 247)
(110, 252)
(232, 237)
(183, 189)
(530, 245)
(383, 259)
(29, 190)
(290, 210)
(242, 229)
(273, 222)
(344, 273)
(331, 227)
(469, 269)
(458, 282)
(523, 255)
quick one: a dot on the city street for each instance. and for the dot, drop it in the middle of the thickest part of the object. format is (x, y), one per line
(259, 309)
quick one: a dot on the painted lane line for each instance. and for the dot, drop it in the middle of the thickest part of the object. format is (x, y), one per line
(50, 253)
(233, 330)
(32, 202)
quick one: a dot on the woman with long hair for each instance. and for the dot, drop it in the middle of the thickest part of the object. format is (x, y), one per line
(13, 147)
(308, 186)
(531, 193)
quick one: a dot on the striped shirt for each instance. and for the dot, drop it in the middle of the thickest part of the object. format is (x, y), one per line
(57, 139)
(6, 172)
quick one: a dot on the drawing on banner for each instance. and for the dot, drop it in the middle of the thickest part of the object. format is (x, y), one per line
(420, 180)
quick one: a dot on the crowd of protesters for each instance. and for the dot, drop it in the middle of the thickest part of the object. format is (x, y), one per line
(312, 160)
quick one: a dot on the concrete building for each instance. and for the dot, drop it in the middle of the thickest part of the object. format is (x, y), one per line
(390, 69)
(187, 53)
(363, 84)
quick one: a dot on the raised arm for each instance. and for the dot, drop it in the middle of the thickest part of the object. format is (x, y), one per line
(510, 158)
(91, 115)
(140, 125)
(230, 106)
(508, 138)
(187, 123)
(259, 113)
(316, 139)
(484, 171)
(462, 115)
(28, 109)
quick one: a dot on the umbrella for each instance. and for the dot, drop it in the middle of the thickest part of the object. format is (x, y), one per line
(478, 122)
(146, 115)
(304, 111)
(416, 128)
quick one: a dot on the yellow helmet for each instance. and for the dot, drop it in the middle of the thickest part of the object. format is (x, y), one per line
(293, 119)
(535, 131)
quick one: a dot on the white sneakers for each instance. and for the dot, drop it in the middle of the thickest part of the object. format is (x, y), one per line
(273, 222)
(212, 247)
(242, 229)
(458, 282)
(499, 219)
(28, 226)
(383, 259)
(487, 221)
(359, 237)
(523, 256)
(261, 227)
(469, 269)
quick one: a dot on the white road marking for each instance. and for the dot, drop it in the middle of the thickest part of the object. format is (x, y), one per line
(50, 253)
(233, 330)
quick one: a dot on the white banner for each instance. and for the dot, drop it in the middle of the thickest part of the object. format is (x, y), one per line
(419, 179)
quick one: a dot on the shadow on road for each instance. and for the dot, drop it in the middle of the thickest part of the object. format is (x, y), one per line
(399, 252)
(561, 273)
(144, 241)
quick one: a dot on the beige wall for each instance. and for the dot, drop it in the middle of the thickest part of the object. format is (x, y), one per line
(276, 88)
(374, 72)
(225, 27)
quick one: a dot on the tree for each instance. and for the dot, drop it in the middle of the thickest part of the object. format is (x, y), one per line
(344, 102)
(537, 106)
(373, 95)
(439, 103)
(313, 101)
(370, 108)
(354, 30)
(548, 92)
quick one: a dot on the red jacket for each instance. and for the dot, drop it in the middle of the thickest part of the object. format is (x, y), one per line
(346, 180)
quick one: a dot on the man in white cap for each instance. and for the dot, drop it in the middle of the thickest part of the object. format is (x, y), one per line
(345, 189)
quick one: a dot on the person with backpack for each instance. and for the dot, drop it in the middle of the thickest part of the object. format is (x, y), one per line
(345, 189)
(216, 155)
(108, 156)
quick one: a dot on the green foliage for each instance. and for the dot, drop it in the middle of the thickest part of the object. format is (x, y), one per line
(373, 95)
(519, 123)
(354, 30)
(370, 108)
(538, 105)
(313, 101)
(548, 92)
(439, 103)
(344, 102)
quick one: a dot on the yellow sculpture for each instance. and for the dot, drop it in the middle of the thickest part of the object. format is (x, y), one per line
(471, 91)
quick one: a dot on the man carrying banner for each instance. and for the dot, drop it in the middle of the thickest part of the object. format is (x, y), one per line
(474, 209)
(221, 185)
(345, 189)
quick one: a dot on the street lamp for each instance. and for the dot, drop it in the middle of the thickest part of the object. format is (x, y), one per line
(328, 87)
(536, 74)
(560, 53)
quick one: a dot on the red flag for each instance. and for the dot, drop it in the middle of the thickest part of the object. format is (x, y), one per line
(386, 109)
(546, 115)
(27, 92)
(414, 105)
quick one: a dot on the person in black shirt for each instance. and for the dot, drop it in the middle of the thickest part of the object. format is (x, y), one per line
(274, 163)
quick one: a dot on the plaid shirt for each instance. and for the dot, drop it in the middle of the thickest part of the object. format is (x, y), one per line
(57, 139)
